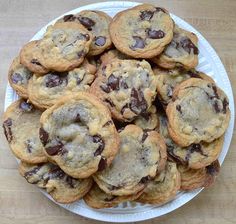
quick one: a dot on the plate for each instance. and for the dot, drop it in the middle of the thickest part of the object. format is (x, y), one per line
(209, 63)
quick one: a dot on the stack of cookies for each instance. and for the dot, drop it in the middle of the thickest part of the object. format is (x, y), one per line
(113, 110)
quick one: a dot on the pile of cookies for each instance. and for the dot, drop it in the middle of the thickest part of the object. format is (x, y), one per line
(113, 110)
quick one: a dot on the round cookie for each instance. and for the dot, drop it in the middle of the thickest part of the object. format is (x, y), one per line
(163, 188)
(62, 188)
(64, 46)
(96, 198)
(141, 155)
(44, 91)
(198, 112)
(148, 120)
(29, 57)
(128, 88)
(167, 80)
(142, 32)
(79, 135)
(18, 77)
(21, 127)
(97, 22)
(181, 52)
(194, 156)
(196, 178)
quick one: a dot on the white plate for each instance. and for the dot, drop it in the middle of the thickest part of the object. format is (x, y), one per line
(209, 63)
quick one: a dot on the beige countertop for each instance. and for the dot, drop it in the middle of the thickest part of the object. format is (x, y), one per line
(23, 203)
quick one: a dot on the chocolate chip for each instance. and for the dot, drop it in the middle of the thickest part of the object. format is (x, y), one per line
(29, 145)
(112, 187)
(194, 74)
(100, 41)
(113, 82)
(145, 135)
(36, 62)
(7, 129)
(170, 150)
(194, 148)
(215, 91)
(188, 45)
(87, 22)
(16, 77)
(126, 106)
(56, 172)
(145, 180)
(139, 43)
(213, 169)
(146, 115)
(109, 102)
(158, 9)
(56, 79)
(77, 118)
(178, 107)
(146, 15)
(27, 107)
(102, 164)
(216, 107)
(105, 88)
(225, 105)
(85, 36)
(138, 104)
(43, 135)
(32, 172)
(56, 149)
(98, 139)
(68, 18)
(80, 54)
(124, 84)
(108, 123)
(155, 34)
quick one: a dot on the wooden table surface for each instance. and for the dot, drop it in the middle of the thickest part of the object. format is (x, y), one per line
(23, 203)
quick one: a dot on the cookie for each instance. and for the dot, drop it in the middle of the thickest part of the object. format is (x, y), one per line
(199, 111)
(168, 79)
(62, 188)
(64, 46)
(141, 155)
(79, 135)
(44, 91)
(112, 54)
(29, 57)
(163, 188)
(194, 156)
(21, 128)
(96, 198)
(181, 52)
(142, 32)
(128, 88)
(18, 77)
(97, 23)
(196, 178)
(148, 120)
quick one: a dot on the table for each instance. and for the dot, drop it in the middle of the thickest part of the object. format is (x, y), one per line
(23, 203)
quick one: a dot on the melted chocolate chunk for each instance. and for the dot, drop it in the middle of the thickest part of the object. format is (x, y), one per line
(145, 180)
(100, 41)
(102, 164)
(98, 139)
(30, 173)
(138, 104)
(216, 107)
(145, 135)
(215, 91)
(27, 107)
(43, 135)
(155, 34)
(69, 18)
(194, 74)
(213, 169)
(56, 79)
(16, 77)
(178, 107)
(188, 45)
(158, 9)
(139, 43)
(194, 148)
(225, 105)
(36, 62)
(56, 149)
(71, 181)
(87, 22)
(124, 85)
(108, 123)
(56, 173)
(146, 15)
(146, 115)
(105, 88)
(126, 106)
(78, 118)
(112, 187)
(109, 102)
(113, 82)
(7, 129)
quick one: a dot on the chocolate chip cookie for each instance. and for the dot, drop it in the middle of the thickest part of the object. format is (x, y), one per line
(163, 188)
(199, 111)
(18, 77)
(62, 188)
(181, 52)
(141, 155)
(30, 57)
(142, 32)
(45, 90)
(168, 79)
(196, 178)
(128, 88)
(96, 198)
(21, 127)
(97, 23)
(79, 135)
(112, 54)
(64, 46)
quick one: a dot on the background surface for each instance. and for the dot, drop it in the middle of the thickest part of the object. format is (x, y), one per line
(23, 203)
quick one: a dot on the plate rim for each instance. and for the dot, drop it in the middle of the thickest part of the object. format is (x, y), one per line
(152, 213)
